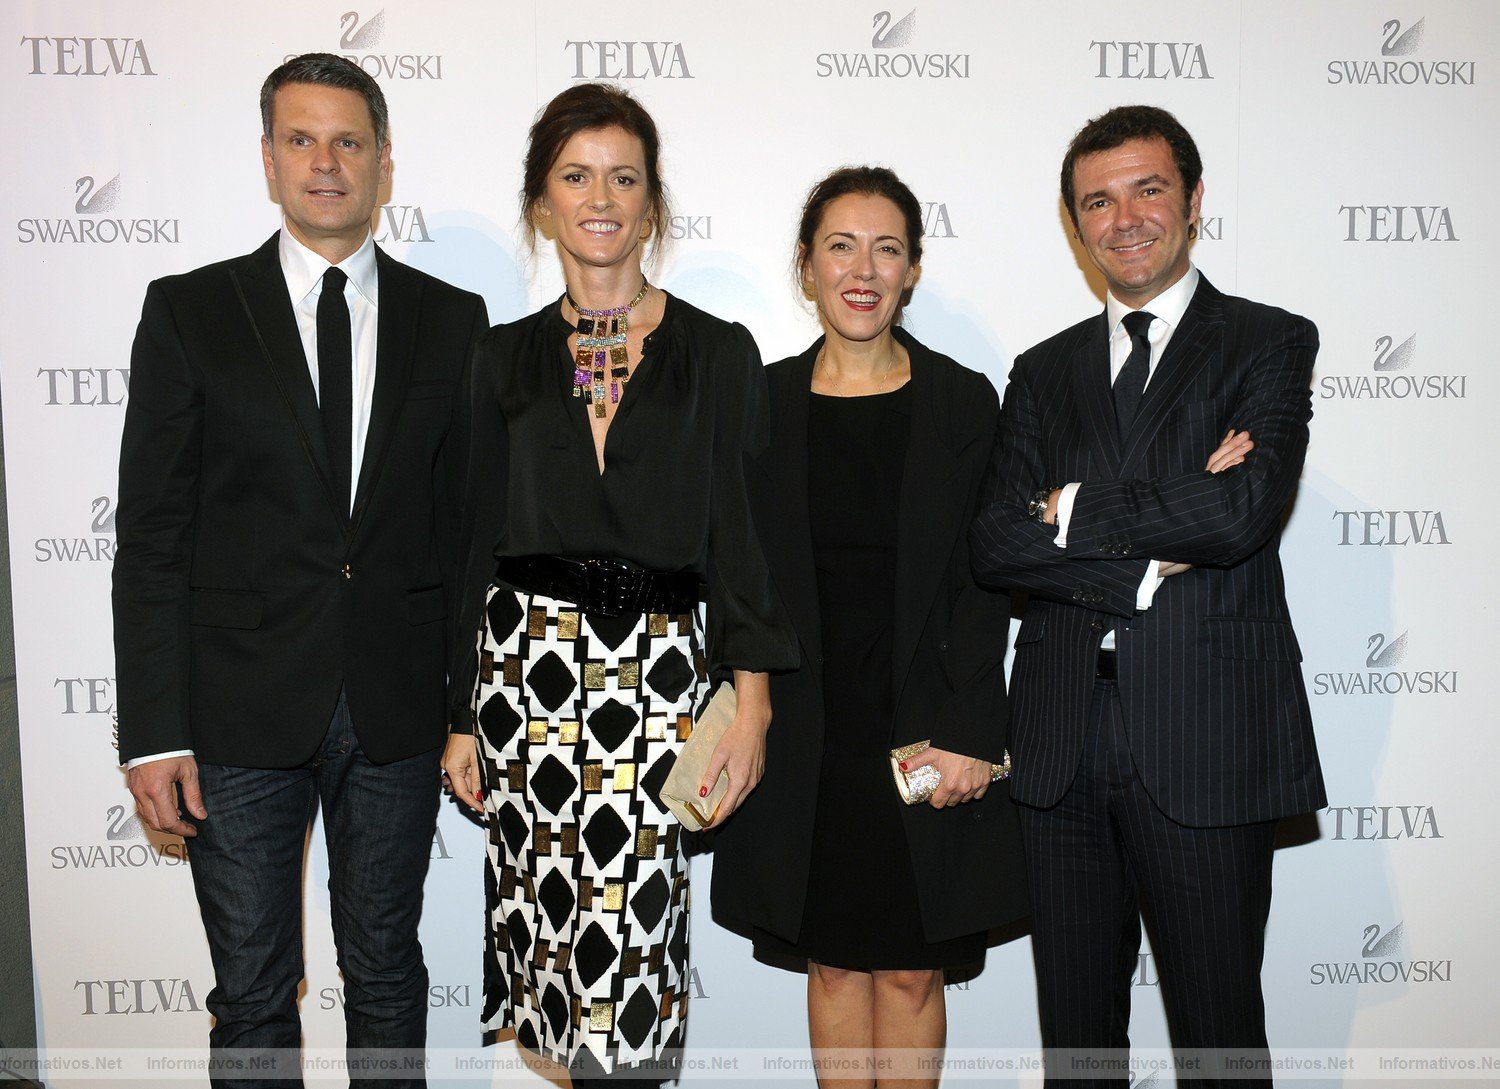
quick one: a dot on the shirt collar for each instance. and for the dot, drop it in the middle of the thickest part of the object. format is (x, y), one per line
(1169, 306)
(303, 268)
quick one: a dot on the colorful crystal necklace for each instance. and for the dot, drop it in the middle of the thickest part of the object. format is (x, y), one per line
(601, 339)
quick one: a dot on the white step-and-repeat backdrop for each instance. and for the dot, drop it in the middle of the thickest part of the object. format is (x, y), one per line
(1349, 153)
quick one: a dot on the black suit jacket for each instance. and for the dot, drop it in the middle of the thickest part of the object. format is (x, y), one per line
(1210, 682)
(947, 655)
(246, 593)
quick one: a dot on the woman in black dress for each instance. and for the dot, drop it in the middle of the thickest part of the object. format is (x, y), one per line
(863, 501)
(607, 436)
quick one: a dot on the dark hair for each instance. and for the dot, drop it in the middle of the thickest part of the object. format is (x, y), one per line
(1121, 125)
(874, 181)
(585, 107)
(327, 70)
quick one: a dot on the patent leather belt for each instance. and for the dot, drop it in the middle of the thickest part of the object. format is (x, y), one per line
(601, 587)
(1105, 670)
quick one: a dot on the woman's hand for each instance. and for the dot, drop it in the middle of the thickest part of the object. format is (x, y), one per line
(742, 749)
(461, 766)
(965, 779)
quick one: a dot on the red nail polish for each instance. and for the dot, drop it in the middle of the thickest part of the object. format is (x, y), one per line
(703, 792)
(479, 795)
(903, 765)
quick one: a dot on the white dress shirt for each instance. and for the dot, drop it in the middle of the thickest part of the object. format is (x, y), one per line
(1166, 311)
(303, 271)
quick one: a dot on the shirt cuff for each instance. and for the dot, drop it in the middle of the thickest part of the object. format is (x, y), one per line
(1147, 592)
(1065, 500)
(139, 760)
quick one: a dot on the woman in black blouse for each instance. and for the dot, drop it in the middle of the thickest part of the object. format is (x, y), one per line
(607, 440)
(862, 502)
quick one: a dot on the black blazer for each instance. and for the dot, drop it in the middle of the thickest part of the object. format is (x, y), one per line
(947, 652)
(245, 592)
(1210, 682)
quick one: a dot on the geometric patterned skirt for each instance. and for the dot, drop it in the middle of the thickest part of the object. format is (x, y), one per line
(579, 719)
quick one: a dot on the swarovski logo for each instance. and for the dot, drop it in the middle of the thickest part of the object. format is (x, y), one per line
(1381, 960)
(439, 996)
(90, 201)
(1389, 383)
(94, 549)
(628, 60)
(685, 227)
(1150, 60)
(1401, 41)
(1380, 677)
(1384, 822)
(125, 847)
(1211, 229)
(1397, 223)
(359, 33)
(893, 55)
(62, 56)
(1391, 528)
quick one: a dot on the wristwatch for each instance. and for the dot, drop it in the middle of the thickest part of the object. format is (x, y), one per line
(1036, 510)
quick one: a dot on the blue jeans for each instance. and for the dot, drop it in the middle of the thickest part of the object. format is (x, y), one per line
(247, 864)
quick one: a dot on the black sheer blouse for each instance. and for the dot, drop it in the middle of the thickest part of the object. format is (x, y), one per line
(672, 494)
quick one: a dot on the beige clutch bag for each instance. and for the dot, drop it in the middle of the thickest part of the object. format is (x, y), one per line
(917, 786)
(680, 792)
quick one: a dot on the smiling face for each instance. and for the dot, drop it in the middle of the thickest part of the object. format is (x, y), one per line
(323, 159)
(597, 199)
(1134, 217)
(859, 266)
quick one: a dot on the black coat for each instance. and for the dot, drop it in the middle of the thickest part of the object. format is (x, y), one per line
(947, 680)
(245, 592)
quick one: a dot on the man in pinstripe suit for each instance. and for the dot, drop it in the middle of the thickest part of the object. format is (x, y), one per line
(1159, 724)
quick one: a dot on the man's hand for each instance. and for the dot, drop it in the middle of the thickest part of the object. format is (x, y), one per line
(1232, 450)
(965, 778)
(155, 787)
(461, 766)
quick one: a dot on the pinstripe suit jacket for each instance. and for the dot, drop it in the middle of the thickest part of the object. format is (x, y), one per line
(1210, 681)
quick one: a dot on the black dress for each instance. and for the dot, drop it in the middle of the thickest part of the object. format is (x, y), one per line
(861, 910)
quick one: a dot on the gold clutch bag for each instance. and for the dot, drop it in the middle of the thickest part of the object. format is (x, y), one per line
(917, 786)
(680, 792)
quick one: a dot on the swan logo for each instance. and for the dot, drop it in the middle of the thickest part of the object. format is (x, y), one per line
(1384, 822)
(92, 199)
(99, 548)
(133, 996)
(1382, 677)
(86, 386)
(893, 55)
(628, 60)
(359, 35)
(1150, 60)
(1390, 381)
(400, 223)
(1390, 528)
(1401, 40)
(125, 846)
(1382, 959)
(1397, 223)
(86, 56)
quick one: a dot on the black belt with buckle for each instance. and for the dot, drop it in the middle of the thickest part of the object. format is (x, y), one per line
(1106, 669)
(599, 586)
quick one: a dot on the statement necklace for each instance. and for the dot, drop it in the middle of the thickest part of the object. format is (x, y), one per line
(599, 330)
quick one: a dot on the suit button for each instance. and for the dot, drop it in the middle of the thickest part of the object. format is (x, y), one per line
(1077, 595)
(348, 571)
(1127, 550)
(1096, 625)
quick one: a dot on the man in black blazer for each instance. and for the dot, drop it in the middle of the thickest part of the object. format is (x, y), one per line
(288, 499)
(1159, 724)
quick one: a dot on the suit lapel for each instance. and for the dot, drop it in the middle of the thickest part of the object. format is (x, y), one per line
(931, 507)
(262, 290)
(395, 343)
(1091, 391)
(783, 464)
(1194, 342)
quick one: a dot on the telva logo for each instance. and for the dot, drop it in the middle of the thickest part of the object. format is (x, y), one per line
(936, 222)
(400, 223)
(128, 996)
(1397, 223)
(628, 60)
(1384, 822)
(103, 386)
(1150, 60)
(86, 56)
(1391, 527)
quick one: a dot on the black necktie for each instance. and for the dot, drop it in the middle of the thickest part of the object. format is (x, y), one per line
(1131, 382)
(336, 379)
